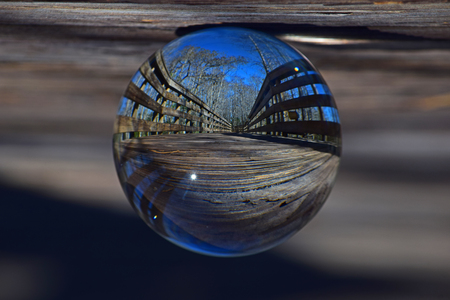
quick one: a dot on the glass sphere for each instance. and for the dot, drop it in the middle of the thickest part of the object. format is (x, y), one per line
(227, 141)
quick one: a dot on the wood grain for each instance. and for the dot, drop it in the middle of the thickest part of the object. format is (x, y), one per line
(384, 229)
(419, 18)
(248, 191)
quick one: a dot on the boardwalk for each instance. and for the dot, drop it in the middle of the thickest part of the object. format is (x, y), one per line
(69, 233)
(243, 187)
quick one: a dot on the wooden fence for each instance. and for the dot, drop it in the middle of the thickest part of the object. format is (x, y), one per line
(294, 101)
(154, 104)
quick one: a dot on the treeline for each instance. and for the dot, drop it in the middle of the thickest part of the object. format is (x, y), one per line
(228, 84)
(216, 79)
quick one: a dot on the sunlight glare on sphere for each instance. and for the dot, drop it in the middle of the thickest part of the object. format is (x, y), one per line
(227, 141)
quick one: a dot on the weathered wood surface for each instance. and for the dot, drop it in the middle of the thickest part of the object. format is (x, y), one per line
(273, 104)
(419, 18)
(204, 109)
(383, 233)
(150, 76)
(185, 106)
(309, 101)
(129, 124)
(249, 190)
(138, 96)
(226, 163)
(303, 127)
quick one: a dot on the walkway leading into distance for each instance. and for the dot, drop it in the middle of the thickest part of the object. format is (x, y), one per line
(248, 178)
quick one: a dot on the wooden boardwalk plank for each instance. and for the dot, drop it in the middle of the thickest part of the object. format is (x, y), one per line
(244, 187)
(424, 18)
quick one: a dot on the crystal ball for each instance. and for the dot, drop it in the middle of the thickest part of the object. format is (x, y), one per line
(227, 141)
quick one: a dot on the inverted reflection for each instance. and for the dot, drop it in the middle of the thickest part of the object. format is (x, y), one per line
(227, 141)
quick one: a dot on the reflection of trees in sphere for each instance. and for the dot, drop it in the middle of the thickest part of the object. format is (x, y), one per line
(227, 141)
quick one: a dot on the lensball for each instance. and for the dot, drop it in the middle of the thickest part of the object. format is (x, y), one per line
(227, 141)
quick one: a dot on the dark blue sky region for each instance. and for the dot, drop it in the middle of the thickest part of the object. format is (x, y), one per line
(236, 42)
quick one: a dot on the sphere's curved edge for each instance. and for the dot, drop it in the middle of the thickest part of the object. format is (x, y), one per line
(216, 254)
(227, 142)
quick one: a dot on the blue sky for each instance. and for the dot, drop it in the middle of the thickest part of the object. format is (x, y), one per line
(231, 41)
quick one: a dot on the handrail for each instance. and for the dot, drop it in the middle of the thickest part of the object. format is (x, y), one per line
(288, 94)
(172, 102)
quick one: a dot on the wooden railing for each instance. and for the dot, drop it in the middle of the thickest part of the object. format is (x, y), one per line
(295, 102)
(155, 104)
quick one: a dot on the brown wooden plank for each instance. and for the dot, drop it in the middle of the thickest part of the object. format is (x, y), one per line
(200, 153)
(181, 89)
(136, 94)
(296, 82)
(429, 17)
(129, 124)
(302, 102)
(302, 127)
(270, 181)
(284, 70)
(152, 79)
(228, 2)
(162, 66)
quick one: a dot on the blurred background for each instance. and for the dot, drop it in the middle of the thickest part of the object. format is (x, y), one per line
(67, 231)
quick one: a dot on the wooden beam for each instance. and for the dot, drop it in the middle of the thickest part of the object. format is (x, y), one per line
(165, 73)
(302, 127)
(418, 18)
(302, 102)
(138, 96)
(129, 124)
